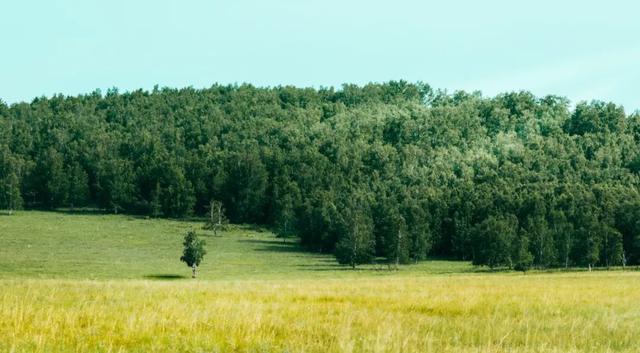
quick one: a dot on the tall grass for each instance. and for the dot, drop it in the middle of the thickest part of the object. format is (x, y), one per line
(586, 312)
(105, 283)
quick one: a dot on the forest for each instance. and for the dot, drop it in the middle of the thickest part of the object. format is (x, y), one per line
(392, 173)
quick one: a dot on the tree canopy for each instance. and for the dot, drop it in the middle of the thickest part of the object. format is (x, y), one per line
(193, 250)
(397, 170)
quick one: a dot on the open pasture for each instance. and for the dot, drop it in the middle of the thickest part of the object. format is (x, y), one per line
(101, 283)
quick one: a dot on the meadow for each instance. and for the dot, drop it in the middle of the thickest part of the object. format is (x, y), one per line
(107, 283)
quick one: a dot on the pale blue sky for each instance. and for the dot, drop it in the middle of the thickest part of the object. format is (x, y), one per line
(579, 49)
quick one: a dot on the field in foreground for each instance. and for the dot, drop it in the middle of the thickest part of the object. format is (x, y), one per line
(102, 283)
(501, 313)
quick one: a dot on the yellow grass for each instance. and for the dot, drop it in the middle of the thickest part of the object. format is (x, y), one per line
(574, 312)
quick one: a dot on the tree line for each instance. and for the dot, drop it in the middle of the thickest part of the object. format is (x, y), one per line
(389, 172)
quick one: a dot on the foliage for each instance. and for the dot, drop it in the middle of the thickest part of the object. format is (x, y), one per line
(493, 239)
(193, 251)
(77, 245)
(10, 196)
(356, 242)
(440, 171)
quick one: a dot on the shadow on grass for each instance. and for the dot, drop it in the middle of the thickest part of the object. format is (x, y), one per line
(164, 277)
(337, 269)
(380, 268)
(327, 268)
(274, 245)
(109, 212)
(78, 211)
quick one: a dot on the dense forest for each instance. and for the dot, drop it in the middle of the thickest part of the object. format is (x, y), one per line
(392, 172)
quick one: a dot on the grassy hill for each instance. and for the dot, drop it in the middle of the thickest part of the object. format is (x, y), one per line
(106, 283)
(94, 246)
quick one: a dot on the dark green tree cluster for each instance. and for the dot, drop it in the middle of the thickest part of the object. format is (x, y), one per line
(383, 172)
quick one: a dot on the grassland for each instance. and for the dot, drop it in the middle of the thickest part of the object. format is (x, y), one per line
(100, 283)
(94, 246)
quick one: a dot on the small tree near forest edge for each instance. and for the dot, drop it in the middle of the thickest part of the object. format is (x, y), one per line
(217, 218)
(193, 251)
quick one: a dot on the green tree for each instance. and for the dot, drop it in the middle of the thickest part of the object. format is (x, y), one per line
(10, 198)
(286, 196)
(10, 195)
(397, 239)
(589, 244)
(542, 244)
(522, 257)
(177, 196)
(193, 251)
(612, 250)
(461, 237)
(52, 181)
(595, 117)
(78, 186)
(628, 223)
(493, 239)
(115, 184)
(156, 203)
(246, 187)
(452, 166)
(563, 235)
(418, 230)
(356, 242)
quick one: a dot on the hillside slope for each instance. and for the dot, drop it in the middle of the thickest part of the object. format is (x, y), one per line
(87, 246)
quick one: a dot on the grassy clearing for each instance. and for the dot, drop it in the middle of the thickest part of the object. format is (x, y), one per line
(59, 245)
(103, 283)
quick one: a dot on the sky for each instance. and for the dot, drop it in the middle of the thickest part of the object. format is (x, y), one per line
(582, 50)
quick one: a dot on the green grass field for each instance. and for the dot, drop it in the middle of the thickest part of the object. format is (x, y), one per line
(106, 283)
(59, 245)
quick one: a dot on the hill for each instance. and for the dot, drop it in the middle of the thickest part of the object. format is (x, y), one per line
(97, 246)
(394, 170)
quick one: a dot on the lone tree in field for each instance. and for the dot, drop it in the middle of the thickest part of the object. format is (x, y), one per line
(193, 251)
(217, 218)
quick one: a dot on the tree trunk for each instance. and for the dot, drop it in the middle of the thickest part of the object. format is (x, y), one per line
(540, 262)
(398, 240)
(284, 235)
(606, 251)
(211, 213)
(567, 251)
(193, 271)
(589, 267)
(354, 247)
